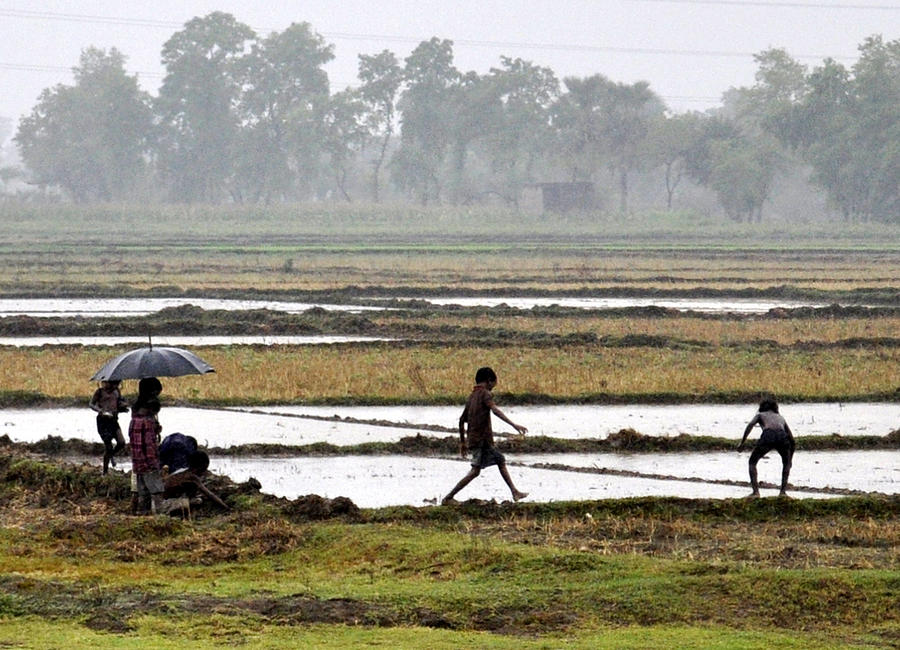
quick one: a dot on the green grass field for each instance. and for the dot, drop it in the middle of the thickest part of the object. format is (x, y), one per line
(74, 569)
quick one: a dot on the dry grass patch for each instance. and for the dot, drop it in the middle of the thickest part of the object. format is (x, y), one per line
(385, 373)
(714, 332)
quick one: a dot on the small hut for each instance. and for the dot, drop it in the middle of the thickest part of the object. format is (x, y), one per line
(568, 197)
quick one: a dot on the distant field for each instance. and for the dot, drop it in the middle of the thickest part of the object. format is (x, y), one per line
(348, 253)
(123, 248)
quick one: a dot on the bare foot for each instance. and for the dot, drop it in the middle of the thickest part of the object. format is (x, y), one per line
(448, 501)
(518, 496)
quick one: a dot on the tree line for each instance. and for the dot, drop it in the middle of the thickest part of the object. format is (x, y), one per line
(250, 119)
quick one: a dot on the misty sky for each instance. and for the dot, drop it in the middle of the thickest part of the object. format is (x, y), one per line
(690, 51)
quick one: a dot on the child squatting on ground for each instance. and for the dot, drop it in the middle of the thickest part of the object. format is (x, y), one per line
(107, 401)
(477, 415)
(776, 435)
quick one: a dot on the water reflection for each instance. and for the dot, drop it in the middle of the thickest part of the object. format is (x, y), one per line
(598, 421)
(301, 425)
(869, 471)
(373, 482)
(63, 307)
(707, 305)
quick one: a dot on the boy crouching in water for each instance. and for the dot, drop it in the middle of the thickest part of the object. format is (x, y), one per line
(477, 415)
(776, 435)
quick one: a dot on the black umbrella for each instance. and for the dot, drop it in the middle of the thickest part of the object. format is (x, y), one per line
(153, 362)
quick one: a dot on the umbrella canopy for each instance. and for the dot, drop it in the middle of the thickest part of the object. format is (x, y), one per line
(153, 362)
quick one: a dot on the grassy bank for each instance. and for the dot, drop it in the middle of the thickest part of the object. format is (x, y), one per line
(74, 569)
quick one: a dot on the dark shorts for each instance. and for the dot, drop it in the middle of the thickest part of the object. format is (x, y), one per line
(486, 456)
(108, 428)
(770, 439)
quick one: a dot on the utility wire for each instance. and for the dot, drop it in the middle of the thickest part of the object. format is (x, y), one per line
(779, 5)
(565, 47)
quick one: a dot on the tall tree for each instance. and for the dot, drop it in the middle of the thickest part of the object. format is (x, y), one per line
(284, 96)
(91, 138)
(846, 125)
(345, 135)
(630, 109)
(197, 106)
(475, 113)
(741, 176)
(577, 118)
(671, 139)
(522, 136)
(426, 120)
(381, 76)
(603, 123)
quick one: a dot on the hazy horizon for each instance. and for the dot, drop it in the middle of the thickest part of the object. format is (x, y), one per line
(690, 51)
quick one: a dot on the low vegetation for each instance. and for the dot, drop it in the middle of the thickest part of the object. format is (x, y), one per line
(733, 573)
(402, 373)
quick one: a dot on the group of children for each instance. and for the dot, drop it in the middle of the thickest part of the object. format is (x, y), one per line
(476, 436)
(157, 490)
(165, 474)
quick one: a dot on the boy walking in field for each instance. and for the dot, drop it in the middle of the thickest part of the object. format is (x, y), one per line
(475, 423)
(776, 434)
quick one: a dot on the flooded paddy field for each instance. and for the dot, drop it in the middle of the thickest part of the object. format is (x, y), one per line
(131, 307)
(376, 480)
(123, 307)
(212, 428)
(373, 482)
(599, 421)
(349, 425)
(380, 481)
(703, 305)
(867, 471)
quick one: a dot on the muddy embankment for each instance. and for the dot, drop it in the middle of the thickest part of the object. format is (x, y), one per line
(626, 440)
(188, 320)
(31, 480)
(378, 294)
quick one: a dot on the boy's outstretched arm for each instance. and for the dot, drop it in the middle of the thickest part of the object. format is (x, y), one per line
(210, 494)
(518, 427)
(748, 430)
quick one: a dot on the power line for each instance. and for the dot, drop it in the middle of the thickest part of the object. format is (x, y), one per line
(778, 5)
(32, 67)
(565, 47)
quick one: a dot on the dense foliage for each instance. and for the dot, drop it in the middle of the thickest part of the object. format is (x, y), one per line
(250, 119)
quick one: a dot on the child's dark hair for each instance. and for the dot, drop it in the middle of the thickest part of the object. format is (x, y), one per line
(149, 386)
(148, 390)
(768, 404)
(198, 461)
(485, 374)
